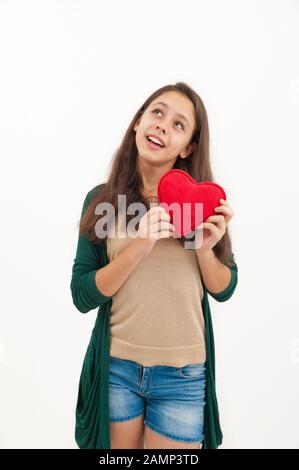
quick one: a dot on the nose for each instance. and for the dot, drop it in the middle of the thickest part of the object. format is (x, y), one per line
(162, 128)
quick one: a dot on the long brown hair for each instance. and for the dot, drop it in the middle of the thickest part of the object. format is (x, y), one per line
(125, 179)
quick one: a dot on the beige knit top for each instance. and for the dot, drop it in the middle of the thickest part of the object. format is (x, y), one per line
(156, 315)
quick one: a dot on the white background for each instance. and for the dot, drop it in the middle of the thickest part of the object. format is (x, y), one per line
(73, 74)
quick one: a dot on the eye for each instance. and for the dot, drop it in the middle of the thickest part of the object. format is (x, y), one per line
(157, 110)
(179, 122)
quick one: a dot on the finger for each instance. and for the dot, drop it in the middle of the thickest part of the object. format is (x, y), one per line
(218, 219)
(221, 225)
(223, 201)
(164, 234)
(208, 226)
(160, 226)
(161, 216)
(224, 209)
(158, 209)
(215, 217)
(158, 214)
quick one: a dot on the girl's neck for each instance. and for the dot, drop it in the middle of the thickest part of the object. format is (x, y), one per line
(150, 193)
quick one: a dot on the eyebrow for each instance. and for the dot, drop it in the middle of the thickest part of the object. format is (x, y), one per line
(166, 106)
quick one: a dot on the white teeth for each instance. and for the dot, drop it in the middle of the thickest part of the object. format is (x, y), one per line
(156, 141)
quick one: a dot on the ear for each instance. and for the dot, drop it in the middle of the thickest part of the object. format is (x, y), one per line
(189, 149)
(137, 122)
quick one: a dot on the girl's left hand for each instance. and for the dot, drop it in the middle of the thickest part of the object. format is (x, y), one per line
(213, 232)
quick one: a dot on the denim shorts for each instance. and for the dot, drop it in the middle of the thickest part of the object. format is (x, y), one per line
(172, 399)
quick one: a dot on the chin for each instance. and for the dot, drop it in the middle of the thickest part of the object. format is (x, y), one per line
(147, 156)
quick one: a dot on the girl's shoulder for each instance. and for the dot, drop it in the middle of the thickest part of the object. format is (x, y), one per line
(94, 190)
(89, 196)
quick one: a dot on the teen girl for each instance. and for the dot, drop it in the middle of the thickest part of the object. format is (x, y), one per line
(157, 367)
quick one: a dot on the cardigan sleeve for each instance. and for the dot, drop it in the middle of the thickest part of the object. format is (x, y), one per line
(85, 294)
(229, 290)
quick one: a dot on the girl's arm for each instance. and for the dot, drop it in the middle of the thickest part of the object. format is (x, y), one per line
(112, 276)
(216, 276)
(227, 292)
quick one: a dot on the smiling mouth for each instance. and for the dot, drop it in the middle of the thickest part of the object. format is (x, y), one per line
(152, 145)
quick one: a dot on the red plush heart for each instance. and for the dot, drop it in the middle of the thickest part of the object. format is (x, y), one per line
(177, 186)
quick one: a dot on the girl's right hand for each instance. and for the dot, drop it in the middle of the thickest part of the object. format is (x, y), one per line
(153, 226)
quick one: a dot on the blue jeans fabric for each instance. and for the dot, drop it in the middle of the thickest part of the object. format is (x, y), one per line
(172, 399)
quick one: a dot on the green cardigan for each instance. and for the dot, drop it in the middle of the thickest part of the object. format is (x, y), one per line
(92, 428)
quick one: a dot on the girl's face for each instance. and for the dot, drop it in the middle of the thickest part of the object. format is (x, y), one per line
(173, 122)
